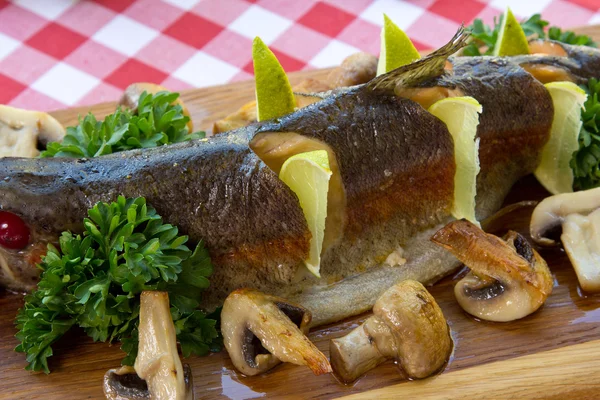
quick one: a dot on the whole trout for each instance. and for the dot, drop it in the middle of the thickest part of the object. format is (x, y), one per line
(392, 185)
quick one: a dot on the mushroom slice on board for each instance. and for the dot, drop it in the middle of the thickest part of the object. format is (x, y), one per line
(407, 325)
(160, 374)
(124, 384)
(508, 278)
(260, 331)
(575, 218)
(548, 217)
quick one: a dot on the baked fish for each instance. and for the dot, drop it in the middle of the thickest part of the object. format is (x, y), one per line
(392, 184)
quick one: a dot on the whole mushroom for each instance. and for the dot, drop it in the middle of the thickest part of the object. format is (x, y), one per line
(260, 331)
(508, 278)
(407, 325)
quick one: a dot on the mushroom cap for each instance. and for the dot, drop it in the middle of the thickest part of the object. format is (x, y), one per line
(410, 327)
(547, 218)
(261, 330)
(508, 280)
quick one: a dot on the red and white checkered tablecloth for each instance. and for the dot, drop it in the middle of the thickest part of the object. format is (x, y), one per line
(61, 53)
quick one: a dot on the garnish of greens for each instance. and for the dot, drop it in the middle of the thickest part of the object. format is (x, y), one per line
(484, 37)
(586, 161)
(93, 281)
(157, 121)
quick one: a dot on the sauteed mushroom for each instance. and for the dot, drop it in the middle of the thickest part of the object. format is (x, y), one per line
(132, 94)
(259, 331)
(124, 384)
(575, 218)
(508, 279)
(549, 215)
(23, 131)
(160, 374)
(407, 325)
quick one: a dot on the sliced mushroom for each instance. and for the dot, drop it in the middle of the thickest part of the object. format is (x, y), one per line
(260, 331)
(23, 132)
(407, 325)
(160, 374)
(548, 217)
(575, 218)
(124, 384)
(508, 279)
(132, 94)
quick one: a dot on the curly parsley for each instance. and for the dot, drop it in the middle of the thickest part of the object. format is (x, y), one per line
(157, 121)
(586, 161)
(484, 37)
(94, 280)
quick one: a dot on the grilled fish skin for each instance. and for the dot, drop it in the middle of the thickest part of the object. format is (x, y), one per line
(396, 168)
(217, 190)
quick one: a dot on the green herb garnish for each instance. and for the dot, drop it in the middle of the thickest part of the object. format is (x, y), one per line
(586, 161)
(94, 280)
(156, 122)
(485, 37)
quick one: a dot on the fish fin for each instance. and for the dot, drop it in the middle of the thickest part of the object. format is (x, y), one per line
(427, 67)
(320, 95)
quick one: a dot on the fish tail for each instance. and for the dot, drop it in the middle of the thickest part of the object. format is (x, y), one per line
(425, 68)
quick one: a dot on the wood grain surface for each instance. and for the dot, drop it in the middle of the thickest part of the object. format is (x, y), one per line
(551, 354)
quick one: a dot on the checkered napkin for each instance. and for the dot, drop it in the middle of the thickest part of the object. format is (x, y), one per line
(61, 53)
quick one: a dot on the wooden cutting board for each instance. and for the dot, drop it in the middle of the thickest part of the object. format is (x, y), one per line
(552, 354)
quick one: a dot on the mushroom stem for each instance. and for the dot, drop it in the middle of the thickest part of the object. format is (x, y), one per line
(407, 325)
(354, 354)
(158, 373)
(157, 361)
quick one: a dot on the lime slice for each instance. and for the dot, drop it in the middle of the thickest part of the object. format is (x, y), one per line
(511, 38)
(554, 171)
(396, 48)
(274, 96)
(307, 174)
(461, 116)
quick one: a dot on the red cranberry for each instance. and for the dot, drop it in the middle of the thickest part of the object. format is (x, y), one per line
(14, 234)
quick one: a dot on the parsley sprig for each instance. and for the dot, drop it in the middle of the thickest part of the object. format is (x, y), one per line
(157, 121)
(94, 280)
(586, 161)
(484, 37)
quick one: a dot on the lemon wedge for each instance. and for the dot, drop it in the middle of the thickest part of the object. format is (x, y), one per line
(396, 48)
(307, 174)
(511, 38)
(274, 95)
(554, 171)
(461, 116)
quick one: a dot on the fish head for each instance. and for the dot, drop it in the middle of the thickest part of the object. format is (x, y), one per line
(35, 207)
(22, 246)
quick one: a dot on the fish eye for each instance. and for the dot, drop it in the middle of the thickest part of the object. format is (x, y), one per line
(14, 233)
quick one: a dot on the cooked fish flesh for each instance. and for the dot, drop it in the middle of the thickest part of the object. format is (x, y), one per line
(392, 185)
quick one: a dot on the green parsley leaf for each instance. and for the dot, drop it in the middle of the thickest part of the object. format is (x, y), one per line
(94, 280)
(586, 161)
(484, 37)
(157, 121)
